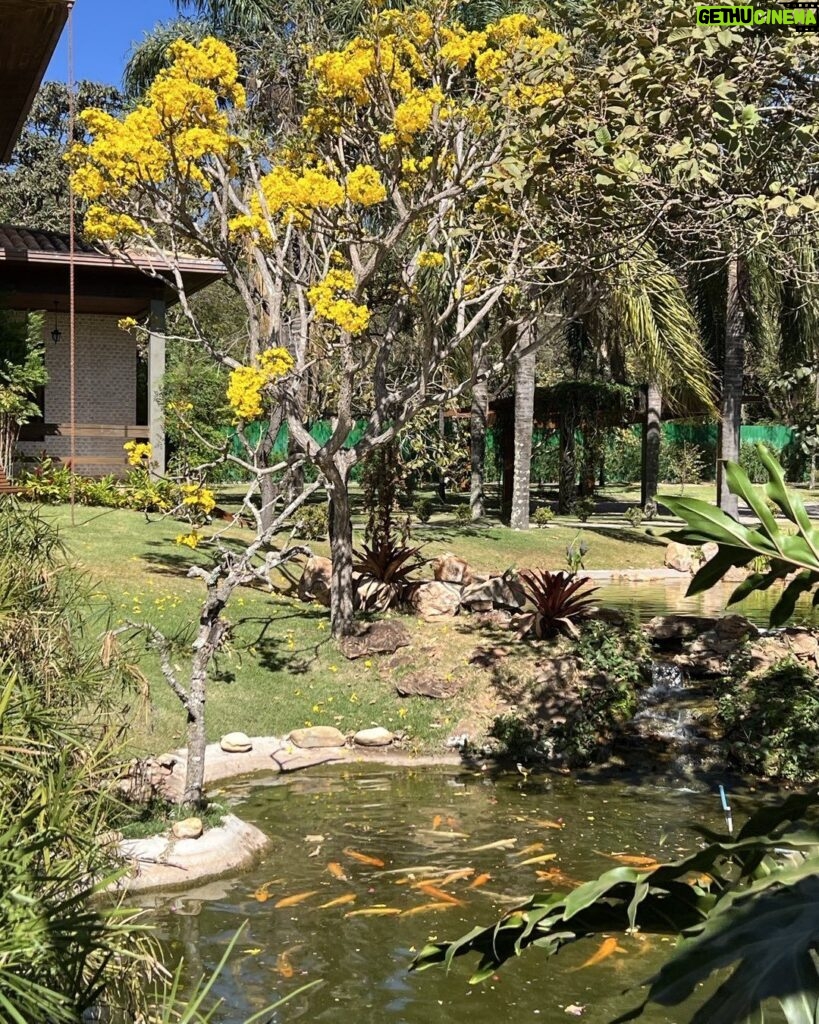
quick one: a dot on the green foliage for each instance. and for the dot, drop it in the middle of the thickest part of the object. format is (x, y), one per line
(575, 553)
(751, 462)
(49, 483)
(422, 509)
(771, 721)
(623, 455)
(22, 372)
(682, 463)
(311, 522)
(517, 738)
(739, 545)
(583, 509)
(543, 516)
(463, 514)
(559, 599)
(634, 515)
(386, 574)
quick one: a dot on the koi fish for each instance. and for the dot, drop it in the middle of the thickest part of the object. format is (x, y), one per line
(339, 901)
(476, 883)
(557, 877)
(499, 844)
(363, 858)
(453, 822)
(262, 894)
(439, 894)
(283, 966)
(292, 901)
(443, 835)
(632, 861)
(456, 876)
(429, 869)
(373, 912)
(531, 848)
(425, 908)
(548, 823)
(436, 821)
(537, 860)
(607, 948)
(337, 871)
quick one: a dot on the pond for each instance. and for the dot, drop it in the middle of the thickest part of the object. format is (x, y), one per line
(648, 598)
(349, 836)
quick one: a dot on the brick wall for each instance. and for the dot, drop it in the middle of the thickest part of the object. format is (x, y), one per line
(106, 391)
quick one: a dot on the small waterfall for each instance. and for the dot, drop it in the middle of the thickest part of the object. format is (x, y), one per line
(666, 715)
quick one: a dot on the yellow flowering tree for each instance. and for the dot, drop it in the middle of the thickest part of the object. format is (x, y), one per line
(371, 243)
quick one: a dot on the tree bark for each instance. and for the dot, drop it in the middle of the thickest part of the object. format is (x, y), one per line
(728, 437)
(652, 437)
(211, 633)
(342, 603)
(479, 415)
(441, 470)
(268, 488)
(524, 426)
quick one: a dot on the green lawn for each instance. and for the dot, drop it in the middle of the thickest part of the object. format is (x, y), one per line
(283, 670)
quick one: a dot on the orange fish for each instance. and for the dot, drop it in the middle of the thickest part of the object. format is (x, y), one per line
(606, 949)
(455, 876)
(339, 901)
(436, 821)
(337, 871)
(632, 861)
(292, 901)
(453, 822)
(438, 894)
(537, 860)
(548, 823)
(262, 894)
(557, 877)
(480, 880)
(427, 908)
(373, 912)
(531, 848)
(362, 858)
(283, 966)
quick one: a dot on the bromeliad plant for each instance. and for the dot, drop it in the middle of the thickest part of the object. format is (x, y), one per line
(787, 550)
(559, 599)
(385, 573)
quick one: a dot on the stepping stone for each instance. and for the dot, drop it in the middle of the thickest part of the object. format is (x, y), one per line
(236, 743)
(317, 736)
(376, 737)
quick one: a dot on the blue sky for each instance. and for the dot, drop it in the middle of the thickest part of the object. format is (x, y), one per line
(103, 33)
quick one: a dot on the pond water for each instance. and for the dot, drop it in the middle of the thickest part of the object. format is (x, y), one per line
(432, 818)
(648, 598)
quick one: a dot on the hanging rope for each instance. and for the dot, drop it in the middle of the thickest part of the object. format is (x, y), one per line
(72, 320)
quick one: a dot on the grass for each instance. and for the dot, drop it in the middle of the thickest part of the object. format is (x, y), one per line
(281, 669)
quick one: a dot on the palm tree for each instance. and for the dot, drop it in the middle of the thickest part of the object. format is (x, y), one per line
(524, 423)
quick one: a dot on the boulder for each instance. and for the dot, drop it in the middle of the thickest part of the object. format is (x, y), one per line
(449, 568)
(709, 653)
(236, 743)
(674, 629)
(375, 638)
(496, 592)
(422, 684)
(376, 737)
(314, 584)
(317, 736)
(188, 828)
(709, 550)
(436, 600)
(678, 556)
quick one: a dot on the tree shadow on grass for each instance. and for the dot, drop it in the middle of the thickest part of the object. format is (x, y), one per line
(273, 653)
(627, 536)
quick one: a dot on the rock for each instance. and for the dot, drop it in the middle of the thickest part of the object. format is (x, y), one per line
(383, 637)
(611, 616)
(317, 736)
(420, 684)
(188, 828)
(146, 779)
(449, 568)
(678, 556)
(296, 760)
(314, 584)
(236, 743)
(709, 550)
(436, 600)
(376, 737)
(709, 653)
(803, 644)
(560, 674)
(673, 629)
(496, 592)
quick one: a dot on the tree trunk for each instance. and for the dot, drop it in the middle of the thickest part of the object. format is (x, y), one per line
(194, 795)
(441, 470)
(652, 437)
(341, 549)
(732, 380)
(268, 487)
(524, 426)
(567, 468)
(477, 430)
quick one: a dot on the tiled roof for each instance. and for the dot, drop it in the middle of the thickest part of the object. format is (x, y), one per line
(30, 240)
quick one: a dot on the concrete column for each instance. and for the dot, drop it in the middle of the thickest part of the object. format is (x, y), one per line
(156, 371)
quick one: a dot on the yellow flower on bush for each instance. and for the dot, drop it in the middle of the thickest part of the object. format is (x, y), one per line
(431, 259)
(127, 323)
(461, 46)
(365, 187)
(197, 497)
(138, 452)
(189, 540)
(246, 384)
(329, 298)
(414, 114)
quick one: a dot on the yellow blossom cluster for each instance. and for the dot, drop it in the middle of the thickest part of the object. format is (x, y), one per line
(180, 123)
(431, 259)
(330, 299)
(365, 187)
(461, 46)
(414, 114)
(198, 498)
(190, 540)
(292, 195)
(138, 452)
(247, 383)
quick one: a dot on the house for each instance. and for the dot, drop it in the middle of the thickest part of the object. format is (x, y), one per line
(116, 391)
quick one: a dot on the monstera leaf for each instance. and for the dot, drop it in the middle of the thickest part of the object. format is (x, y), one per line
(794, 549)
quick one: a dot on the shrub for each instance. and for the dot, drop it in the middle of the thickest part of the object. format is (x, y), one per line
(583, 509)
(385, 574)
(543, 516)
(623, 456)
(311, 522)
(750, 461)
(683, 463)
(422, 509)
(771, 721)
(558, 598)
(463, 514)
(634, 515)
